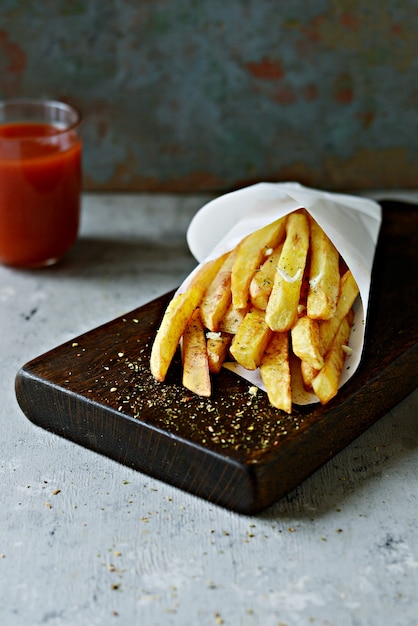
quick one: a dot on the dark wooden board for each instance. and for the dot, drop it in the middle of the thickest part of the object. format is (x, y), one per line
(233, 449)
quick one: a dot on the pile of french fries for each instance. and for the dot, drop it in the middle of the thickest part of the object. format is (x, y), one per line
(282, 298)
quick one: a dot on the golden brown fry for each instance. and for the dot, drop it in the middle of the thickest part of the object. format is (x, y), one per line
(249, 343)
(176, 316)
(218, 295)
(195, 359)
(217, 345)
(263, 279)
(306, 342)
(324, 277)
(275, 372)
(250, 253)
(282, 308)
(232, 320)
(307, 373)
(325, 384)
(348, 293)
(328, 328)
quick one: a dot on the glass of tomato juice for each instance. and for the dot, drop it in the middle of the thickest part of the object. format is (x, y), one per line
(40, 181)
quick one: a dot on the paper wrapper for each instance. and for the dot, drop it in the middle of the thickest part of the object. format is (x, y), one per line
(351, 222)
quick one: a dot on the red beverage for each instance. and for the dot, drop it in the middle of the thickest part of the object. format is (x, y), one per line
(40, 185)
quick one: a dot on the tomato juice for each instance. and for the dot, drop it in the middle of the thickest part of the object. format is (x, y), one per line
(40, 185)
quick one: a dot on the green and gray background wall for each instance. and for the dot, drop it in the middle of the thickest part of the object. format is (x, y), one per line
(210, 95)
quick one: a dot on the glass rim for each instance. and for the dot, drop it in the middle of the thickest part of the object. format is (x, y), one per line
(44, 103)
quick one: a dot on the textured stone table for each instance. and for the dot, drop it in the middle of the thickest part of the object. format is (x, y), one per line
(85, 541)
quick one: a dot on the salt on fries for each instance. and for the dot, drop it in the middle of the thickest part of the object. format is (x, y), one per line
(283, 293)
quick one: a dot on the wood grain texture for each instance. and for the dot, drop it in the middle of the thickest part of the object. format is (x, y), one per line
(233, 449)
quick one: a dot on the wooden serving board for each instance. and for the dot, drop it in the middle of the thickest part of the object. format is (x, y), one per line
(233, 449)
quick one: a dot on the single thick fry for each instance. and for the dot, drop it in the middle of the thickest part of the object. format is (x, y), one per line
(348, 293)
(250, 253)
(176, 316)
(251, 339)
(306, 342)
(328, 328)
(195, 359)
(217, 345)
(324, 277)
(325, 384)
(307, 373)
(275, 372)
(263, 279)
(218, 295)
(282, 307)
(232, 320)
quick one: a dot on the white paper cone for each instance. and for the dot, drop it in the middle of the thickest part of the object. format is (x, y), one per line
(351, 222)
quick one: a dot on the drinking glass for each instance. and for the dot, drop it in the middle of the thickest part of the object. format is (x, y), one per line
(40, 181)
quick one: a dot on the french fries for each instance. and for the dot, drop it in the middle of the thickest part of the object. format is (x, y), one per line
(306, 341)
(217, 345)
(250, 253)
(175, 319)
(195, 362)
(323, 275)
(217, 298)
(232, 320)
(325, 383)
(348, 293)
(282, 307)
(275, 372)
(251, 340)
(279, 300)
(263, 279)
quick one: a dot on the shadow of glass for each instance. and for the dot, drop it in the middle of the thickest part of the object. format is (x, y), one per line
(92, 258)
